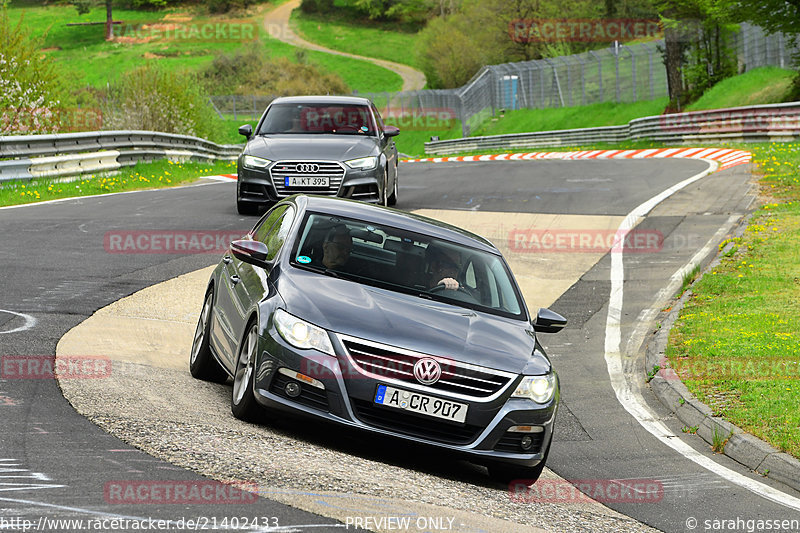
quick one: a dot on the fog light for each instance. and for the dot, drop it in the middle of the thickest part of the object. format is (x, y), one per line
(292, 390)
(526, 442)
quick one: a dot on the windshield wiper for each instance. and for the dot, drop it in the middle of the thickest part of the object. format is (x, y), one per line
(321, 270)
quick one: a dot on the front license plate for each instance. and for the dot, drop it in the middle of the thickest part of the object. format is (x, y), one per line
(421, 403)
(306, 181)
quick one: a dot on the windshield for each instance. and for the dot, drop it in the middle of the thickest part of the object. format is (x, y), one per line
(407, 262)
(311, 118)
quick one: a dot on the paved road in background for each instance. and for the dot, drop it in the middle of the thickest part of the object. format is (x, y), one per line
(276, 23)
(57, 271)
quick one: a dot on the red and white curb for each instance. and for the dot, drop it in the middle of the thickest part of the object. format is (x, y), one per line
(222, 177)
(725, 157)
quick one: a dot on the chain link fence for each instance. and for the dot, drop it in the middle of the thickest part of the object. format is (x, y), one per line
(615, 74)
(756, 48)
(620, 73)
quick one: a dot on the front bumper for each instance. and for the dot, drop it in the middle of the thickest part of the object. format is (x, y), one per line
(347, 399)
(260, 186)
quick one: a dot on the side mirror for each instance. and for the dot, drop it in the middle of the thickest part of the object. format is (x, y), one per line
(548, 321)
(391, 131)
(246, 130)
(253, 252)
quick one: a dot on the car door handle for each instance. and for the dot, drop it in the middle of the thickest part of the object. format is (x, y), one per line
(235, 279)
(227, 259)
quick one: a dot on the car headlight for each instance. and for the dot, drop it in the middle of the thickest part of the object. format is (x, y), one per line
(301, 334)
(540, 389)
(258, 163)
(363, 163)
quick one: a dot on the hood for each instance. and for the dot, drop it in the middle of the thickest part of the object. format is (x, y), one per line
(324, 147)
(411, 322)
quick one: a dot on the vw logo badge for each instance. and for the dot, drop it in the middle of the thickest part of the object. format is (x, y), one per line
(307, 168)
(427, 371)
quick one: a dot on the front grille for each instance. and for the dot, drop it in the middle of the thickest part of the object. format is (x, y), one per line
(459, 378)
(283, 169)
(510, 442)
(434, 429)
(309, 396)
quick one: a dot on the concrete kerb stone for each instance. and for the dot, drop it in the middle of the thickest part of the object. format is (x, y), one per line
(782, 467)
(739, 445)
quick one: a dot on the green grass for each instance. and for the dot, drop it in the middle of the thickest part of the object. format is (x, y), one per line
(562, 118)
(765, 85)
(361, 76)
(365, 38)
(736, 344)
(411, 141)
(87, 59)
(153, 175)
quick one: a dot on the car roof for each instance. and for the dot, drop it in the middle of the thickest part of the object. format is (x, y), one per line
(322, 100)
(393, 218)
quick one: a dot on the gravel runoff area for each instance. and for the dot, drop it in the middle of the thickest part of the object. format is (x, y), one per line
(312, 466)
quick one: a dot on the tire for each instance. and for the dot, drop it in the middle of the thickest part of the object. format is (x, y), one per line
(202, 364)
(246, 208)
(385, 194)
(506, 473)
(243, 401)
(392, 200)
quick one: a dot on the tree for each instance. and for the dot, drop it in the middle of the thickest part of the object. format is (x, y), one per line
(29, 83)
(84, 6)
(772, 15)
(697, 52)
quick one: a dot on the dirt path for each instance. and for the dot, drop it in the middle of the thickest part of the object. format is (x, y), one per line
(276, 22)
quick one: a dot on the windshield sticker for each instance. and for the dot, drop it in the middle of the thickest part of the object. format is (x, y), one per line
(303, 259)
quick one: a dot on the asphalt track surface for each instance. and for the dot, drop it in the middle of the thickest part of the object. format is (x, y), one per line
(55, 268)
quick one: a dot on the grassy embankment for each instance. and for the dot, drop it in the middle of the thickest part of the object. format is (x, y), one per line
(155, 175)
(88, 59)
(365, 38)
(736, 344)
(764, 85)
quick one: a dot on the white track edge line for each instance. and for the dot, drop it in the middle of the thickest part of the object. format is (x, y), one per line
(634, 403)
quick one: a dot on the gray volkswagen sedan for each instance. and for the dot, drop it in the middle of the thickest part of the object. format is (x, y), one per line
(385, 322)
(324, 145)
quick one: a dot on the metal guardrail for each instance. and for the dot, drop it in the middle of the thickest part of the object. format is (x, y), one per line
(763, 123)
(70, 154)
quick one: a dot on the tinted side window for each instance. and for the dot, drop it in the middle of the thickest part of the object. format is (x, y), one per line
(262, 229)
(277, 235)
(378, 118)
(274, 230)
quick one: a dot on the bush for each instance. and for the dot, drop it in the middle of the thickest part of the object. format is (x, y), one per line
(449, 57)
(155, 99)
(30, 87)
(251, 71)
(316, 6)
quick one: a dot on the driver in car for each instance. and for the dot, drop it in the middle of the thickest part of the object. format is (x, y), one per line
(444, 266)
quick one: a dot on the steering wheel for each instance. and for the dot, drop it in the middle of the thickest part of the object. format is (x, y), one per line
(348, 127)
(461, 289)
